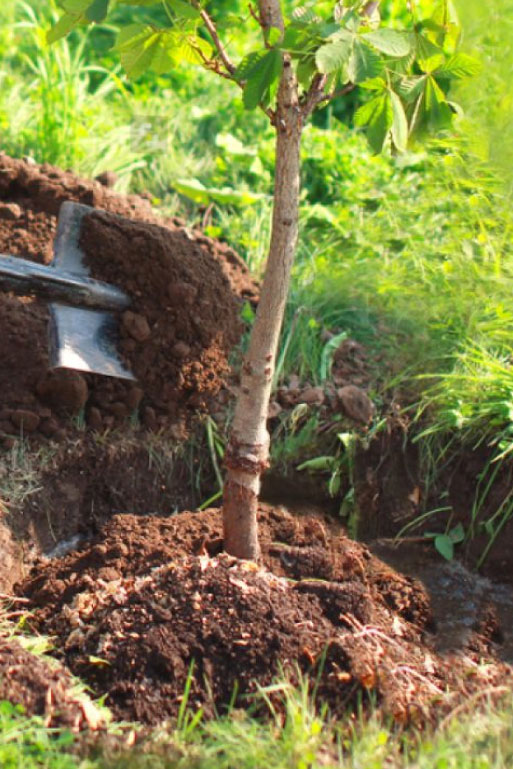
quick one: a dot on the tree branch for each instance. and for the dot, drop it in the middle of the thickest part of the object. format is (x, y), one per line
(212, 29)
(314, 98)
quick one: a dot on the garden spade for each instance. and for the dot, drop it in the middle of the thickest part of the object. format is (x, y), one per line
(83, 325)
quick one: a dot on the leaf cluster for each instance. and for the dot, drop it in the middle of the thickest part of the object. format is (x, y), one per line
(334, 48)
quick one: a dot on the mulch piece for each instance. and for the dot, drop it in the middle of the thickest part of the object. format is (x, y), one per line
(43, 688)
(190, 327)
(150, 602)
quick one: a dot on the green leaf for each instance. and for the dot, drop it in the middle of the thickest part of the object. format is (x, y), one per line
(334, 484)
(377, 117)
(196, 191)
(390, 41)
(318, 464)
(273, 35)
(459, 66)
(364, 63)
(457, 534)
(436, 112)
(444, 545)
(97, 11)
(62, 28)
(305, 71)
(76, 6)
(261, 79)
(411, 88)
(399, 123)
(333, 56)
(183, 10)
(429, 55)
(250, 64)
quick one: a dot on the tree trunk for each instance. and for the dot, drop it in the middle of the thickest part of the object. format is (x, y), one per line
(248, 449)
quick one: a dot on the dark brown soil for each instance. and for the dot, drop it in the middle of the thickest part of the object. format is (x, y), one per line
(43, 688)
(187, 287)
(149, 602)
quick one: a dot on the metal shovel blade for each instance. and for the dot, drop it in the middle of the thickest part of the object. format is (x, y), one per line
(81, 339)
(83, 326)
(85, 340)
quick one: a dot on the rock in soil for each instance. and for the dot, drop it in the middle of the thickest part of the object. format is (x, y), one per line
(152, 601)
(187, 289)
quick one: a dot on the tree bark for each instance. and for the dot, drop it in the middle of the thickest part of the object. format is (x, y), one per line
(248, 448)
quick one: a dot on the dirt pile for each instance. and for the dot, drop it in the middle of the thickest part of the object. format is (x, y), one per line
(180, 350)
(150, 602)
(43, 688)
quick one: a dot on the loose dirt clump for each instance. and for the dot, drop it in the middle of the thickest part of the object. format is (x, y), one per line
(151, 603)
(43, 688)
(187, 297)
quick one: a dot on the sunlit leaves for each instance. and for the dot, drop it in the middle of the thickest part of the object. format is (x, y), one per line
(459, 66)
(259, 71)
(141, 48)
(182, 10)
(97, 11)
(390, 41)
(364, 63)
(399, 122)
(334, 55)
(259, 84)
(63, 27)
(377, 117)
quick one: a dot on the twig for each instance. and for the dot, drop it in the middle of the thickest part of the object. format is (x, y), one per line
(212, 29)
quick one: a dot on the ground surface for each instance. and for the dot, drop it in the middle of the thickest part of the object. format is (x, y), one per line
(145, 598)
(150, 601)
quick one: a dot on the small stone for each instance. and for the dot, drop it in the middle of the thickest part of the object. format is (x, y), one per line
(107, 178)
(94, 418)
(312, 396)
(10, 211)
(120, 410)
(149, 418)
(356, 403)
(134, 397)
(137, 326)
(181, 350)
(63, 390)
(48, 427)
(26, 420)
(182, 293)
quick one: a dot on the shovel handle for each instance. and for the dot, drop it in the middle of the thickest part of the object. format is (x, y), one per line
(27, 278)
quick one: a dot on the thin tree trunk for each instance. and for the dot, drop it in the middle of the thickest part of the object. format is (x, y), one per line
(248, 449)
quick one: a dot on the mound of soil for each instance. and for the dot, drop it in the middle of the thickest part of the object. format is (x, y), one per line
(187, 293)
(149, 603)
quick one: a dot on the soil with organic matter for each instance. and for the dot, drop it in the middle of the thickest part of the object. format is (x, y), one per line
(152, 605)
(42, 687)
(187, 293)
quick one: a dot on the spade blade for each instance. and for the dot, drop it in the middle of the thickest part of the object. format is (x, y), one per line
(85, 340)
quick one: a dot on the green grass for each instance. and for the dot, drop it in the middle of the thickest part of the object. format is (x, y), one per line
(295, 736)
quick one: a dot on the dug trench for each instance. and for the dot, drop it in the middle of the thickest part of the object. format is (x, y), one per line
(137, 595)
